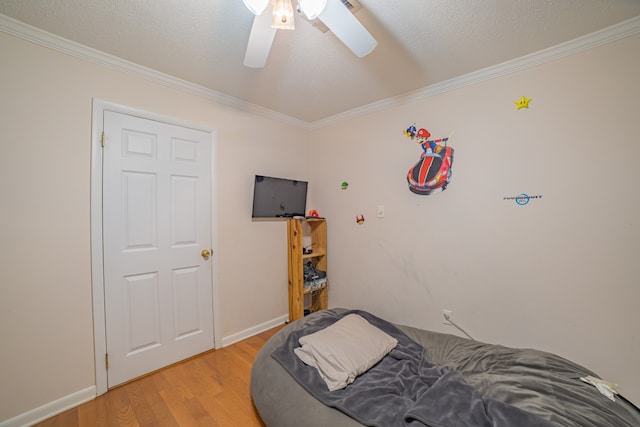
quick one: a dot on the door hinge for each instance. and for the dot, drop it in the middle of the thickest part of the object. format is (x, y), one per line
(106, 360)
(102, 139)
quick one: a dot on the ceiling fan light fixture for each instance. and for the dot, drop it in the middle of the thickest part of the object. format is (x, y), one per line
(312, 8)
(256, 6)
(283, 15)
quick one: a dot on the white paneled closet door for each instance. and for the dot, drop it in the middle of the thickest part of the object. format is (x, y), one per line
(157, 229)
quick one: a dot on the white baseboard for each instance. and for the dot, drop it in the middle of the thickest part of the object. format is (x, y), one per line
(52, 408)
(255, 330)
(79, 397)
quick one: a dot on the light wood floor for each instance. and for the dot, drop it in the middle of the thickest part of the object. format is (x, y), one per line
(209, 390)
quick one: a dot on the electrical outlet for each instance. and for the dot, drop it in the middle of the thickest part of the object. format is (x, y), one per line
(448, 316)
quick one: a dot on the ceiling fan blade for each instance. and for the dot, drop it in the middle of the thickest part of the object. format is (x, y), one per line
(347, 28)
(260, 40)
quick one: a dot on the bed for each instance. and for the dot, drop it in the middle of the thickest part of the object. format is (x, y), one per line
(425, 379)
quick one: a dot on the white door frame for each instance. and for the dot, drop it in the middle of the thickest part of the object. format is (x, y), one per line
(97, 264)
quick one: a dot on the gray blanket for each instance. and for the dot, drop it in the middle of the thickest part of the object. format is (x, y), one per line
(404, 388)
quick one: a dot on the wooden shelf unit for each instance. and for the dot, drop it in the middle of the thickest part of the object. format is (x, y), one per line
(317, 233)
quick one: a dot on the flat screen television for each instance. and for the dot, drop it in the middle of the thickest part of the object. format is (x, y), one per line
(278, 197)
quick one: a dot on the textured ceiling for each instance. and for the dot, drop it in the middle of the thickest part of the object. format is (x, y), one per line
(310, 75)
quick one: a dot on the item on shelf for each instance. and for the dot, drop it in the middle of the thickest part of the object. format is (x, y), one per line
(313, 278)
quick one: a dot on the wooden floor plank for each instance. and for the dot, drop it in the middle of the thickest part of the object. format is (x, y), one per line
(144, 413)
(209, 390)
(120, 406)
(156, 404)
(88, 415)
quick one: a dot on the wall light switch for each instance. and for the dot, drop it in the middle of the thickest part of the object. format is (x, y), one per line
(380, 211)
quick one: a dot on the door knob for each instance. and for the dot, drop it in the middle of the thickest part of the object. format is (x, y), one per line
(205, 253)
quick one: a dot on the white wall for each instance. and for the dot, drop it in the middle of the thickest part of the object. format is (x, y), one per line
(559, 274)
(45, 268)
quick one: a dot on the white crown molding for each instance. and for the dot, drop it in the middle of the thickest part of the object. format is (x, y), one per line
(607, 35)
(43, 38)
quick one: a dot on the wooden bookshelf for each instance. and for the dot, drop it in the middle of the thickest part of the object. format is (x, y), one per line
(313, 230)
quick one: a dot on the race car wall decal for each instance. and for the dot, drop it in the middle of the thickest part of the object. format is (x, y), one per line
(432, 173)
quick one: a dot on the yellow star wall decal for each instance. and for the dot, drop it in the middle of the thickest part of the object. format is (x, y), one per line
(523, 102)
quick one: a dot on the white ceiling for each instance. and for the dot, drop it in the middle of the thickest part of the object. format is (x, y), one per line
(309, 75)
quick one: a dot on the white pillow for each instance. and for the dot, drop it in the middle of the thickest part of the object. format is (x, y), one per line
(344, 350)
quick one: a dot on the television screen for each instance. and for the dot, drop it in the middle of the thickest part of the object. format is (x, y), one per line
(278, 197)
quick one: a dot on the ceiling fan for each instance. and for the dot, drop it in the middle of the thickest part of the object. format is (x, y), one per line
(271, 15)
